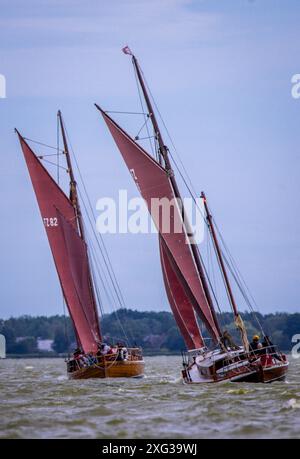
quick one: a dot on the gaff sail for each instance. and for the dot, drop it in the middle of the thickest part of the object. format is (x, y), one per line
(181, 305)
(153, 182)
(68, 249)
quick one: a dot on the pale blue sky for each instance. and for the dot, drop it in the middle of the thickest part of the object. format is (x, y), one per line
(220, 72)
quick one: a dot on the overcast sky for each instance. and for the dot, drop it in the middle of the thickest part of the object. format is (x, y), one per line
(220, 72)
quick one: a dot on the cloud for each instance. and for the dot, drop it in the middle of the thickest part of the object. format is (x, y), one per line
(170, 21)
(72, 49)
(69, 53)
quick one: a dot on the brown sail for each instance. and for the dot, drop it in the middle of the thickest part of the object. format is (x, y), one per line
(187, 283)
(154, 182)
(68, 249)
(180, 303)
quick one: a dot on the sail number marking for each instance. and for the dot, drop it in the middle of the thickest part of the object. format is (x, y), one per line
(50, 221)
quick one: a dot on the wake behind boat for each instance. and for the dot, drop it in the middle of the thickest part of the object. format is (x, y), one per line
(189, 288)
(66, 234)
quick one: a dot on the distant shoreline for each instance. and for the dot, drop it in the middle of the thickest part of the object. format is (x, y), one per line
(156, 332)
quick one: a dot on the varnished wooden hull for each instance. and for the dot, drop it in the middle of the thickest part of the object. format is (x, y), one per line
(215, 367)
(117, 369)
(266, 374)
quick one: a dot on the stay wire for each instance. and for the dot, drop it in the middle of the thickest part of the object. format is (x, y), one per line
(90, 206)
(58, 179)
(191, 189)
(192, 193)
(146, 116)
(105, 284)
(106, 259)
(110, 295)
(43, 144)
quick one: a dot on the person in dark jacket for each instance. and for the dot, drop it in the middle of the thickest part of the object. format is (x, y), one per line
(255, 345)
(270, 348)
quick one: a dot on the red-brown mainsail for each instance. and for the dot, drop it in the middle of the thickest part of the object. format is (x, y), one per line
(187, 282)
(181, 305)
(68, 241)
(154, 181)
(68, 249)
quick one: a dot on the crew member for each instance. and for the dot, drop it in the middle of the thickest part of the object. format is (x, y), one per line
(255, 345)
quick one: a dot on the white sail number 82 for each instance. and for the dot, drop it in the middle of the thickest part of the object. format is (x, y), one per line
(50, 221)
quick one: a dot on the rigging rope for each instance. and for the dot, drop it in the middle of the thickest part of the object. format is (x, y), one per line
(103, 250)
(209, 256)
(53, 164)
(146, 115)
(43, 144)
(234, 264)
(57, 172)
(244, 294)
(237, 277)
(95, 263)
(109, 294)
(143, 125)
(126, 113)
(106, 258)
(57, 147)
(168, 134)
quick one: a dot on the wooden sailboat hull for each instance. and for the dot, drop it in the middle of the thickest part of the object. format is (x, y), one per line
(117, 369)
(215, 368)
(265, 375)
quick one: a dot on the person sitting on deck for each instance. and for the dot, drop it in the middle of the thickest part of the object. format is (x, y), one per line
(91, 359)
(255, 345)
(104, 349)
(77, 352)
(122, 352)
(227, 341)
(269, 348)
(113, 349)
(84, 359)
(79, 357)
(112, 353)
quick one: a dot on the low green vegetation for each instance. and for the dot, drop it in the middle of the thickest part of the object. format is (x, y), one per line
(156, 332)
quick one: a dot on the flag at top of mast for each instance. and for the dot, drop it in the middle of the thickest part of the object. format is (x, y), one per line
(127, 50)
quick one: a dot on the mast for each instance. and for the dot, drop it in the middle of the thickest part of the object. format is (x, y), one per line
(219, 255)
(75, 202)
(69, 250)
(163, 150)
(73, 184)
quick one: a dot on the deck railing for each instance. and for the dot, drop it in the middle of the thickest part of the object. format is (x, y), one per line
(86, 360)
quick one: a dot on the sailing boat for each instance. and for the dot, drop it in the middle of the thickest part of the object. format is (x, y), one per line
(187, 284)
(65, 230)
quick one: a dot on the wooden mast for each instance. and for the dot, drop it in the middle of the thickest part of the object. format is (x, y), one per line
(219, 255)
(75, 201)
(73, 185)
(163, 150)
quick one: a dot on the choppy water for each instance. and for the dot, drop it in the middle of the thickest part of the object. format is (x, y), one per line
(38, 401)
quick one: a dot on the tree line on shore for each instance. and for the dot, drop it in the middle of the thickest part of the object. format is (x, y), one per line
(156, 332)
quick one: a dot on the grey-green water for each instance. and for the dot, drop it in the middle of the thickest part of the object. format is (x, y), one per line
(38, 401)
